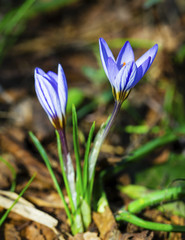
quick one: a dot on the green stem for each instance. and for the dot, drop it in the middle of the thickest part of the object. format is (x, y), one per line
(64, 173)
(115, 112)
(68, 166)
(128, 217)
(169, 194)
(100, 137)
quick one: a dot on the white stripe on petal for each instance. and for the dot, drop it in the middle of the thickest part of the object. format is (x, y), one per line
(105, 53)
(42, 99)
(132, 77)
(123, 77)
(112, 70)
(49, 96)
(62, 89)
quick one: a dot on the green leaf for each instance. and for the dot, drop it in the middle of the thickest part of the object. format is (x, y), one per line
(150, 3)
(86, 160)
(86, 213)
(134, 191)
(180, 55)
(138, 192)
(79, 184)
(13, 172)
(48, 164)
(157, 175)
(97, 76)
(75, 97)
(142, 129)
(77, 225)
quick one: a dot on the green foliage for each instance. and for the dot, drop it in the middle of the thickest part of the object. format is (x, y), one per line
(180, 55)
(97, 76)
(141, 129)
(14, 22)
(135, 42)
(139, 192)
(13, 172)
(12, 25)
(75, 97)
(164, 174)
(3, 218)
(64, 173)
(150, 3)
(79, 184)
(45, 6)
(131, 218)
(48, 164)
(79, 192)
(173, 106)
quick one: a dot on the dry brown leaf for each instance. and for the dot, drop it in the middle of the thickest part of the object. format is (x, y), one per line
(27, 210)
(11, 232)
(90, 236)
(44, 200)
(145, 235)
(106, 225)
(38, 232)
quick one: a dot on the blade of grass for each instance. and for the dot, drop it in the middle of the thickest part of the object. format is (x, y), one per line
(47, 162)
(79, 184)
(128, 217)
(14, 17)
(144, 150)
(13, 172)
(77, 225)
(86, 158)
(20, 195)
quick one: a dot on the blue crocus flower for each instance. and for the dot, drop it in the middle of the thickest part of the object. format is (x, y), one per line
(124, 72)
(52, 92)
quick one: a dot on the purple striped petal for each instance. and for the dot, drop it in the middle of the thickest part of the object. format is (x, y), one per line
(48, 96)
(41, 93)
(132, 77)
(62, 89)
(125, 55)
(112, 70)
(105, 53)
(141, 70)
(123, 77)
(150, 53)
(43, 101)
(52, 76)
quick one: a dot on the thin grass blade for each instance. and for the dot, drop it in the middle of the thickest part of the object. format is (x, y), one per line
(13, 172)
(79, 185)
(47, 162)
(20, 195)
(86, 157)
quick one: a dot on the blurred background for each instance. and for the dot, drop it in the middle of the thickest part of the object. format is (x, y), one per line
(43, 33)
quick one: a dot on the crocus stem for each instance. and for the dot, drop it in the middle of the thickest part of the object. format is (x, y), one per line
(64, 145)
(115, 112)
(100, 137)
(68, 166)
